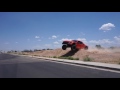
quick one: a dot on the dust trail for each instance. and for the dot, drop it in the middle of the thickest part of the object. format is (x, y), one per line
(105, 50)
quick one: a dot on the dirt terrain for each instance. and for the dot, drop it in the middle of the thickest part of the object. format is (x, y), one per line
(97, 55)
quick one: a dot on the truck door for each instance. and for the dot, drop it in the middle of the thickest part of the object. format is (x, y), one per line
(80, 45)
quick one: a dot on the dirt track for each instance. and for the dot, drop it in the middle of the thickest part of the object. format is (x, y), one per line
(98, 55)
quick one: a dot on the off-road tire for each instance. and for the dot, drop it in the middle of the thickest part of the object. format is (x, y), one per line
(86, 48)
(64, 47)
(73, 48)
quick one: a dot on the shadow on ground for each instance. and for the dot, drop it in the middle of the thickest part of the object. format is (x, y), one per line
(70, 53)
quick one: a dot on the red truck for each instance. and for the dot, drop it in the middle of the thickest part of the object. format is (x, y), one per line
(74, 45)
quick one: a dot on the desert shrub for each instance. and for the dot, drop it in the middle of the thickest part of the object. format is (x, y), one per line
(54, 57)
(98, 46)
(87, 58)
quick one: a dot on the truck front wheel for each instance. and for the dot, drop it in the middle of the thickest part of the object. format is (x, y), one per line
(64, 47)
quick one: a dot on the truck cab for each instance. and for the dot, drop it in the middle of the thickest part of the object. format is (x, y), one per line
(74, 45)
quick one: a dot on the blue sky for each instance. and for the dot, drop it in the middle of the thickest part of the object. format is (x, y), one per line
(38, 30)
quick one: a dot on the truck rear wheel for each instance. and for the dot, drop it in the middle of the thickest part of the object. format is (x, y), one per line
(73, 47)
(86, 48)
(64, 47)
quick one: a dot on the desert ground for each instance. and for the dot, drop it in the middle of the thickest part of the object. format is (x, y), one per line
(96, 55)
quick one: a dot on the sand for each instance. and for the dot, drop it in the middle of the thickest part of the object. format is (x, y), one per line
(97, 55)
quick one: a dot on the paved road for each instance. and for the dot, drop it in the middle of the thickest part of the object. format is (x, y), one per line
(26, 67)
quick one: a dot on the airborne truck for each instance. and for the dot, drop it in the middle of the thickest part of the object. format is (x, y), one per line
(74, 45)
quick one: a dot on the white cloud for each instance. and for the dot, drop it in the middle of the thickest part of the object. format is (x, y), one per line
(16, 42)
(65, 39)
(117, 38)
(37, 37)
(53, 37)
(94, 41)
(103, 41)
(107, 26)
(56, 42)
(82, 39)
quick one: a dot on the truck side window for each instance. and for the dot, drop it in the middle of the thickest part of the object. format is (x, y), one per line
(80, 42)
